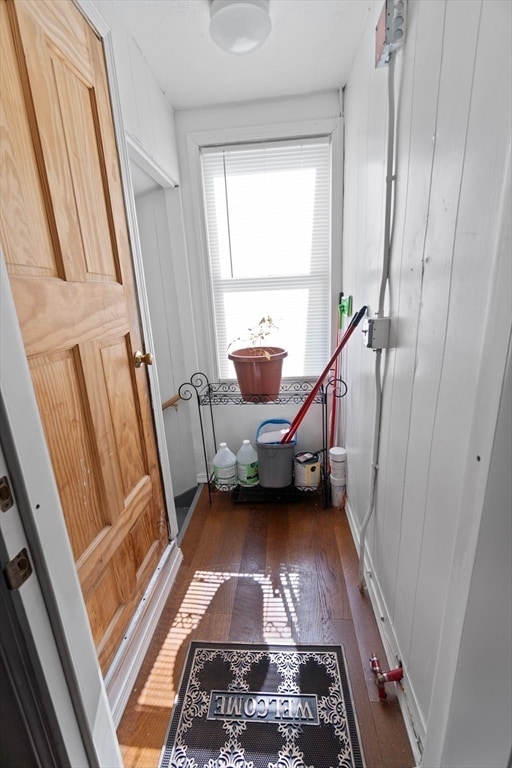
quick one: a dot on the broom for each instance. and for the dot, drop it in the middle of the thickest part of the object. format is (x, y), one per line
(334, 400)
(287, 437)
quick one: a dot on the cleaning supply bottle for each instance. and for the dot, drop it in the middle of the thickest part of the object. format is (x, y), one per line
(247, 464)
(224, 468)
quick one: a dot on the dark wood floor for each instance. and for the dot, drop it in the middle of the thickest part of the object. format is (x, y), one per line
(265, 573)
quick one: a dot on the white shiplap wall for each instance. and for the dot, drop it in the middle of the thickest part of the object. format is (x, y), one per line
(453, 86)
(148, 121)
(160, 228)
(147, 115)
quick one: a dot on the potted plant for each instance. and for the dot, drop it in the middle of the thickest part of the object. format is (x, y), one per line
(258, 367)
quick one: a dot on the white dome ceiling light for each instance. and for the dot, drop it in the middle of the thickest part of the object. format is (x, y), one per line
(239, 26)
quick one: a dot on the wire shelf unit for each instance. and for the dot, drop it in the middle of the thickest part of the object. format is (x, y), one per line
(209, 394)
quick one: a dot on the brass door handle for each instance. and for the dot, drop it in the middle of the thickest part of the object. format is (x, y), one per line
(139, 358)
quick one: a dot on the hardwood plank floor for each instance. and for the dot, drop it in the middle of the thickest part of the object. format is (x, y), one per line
(265, 573)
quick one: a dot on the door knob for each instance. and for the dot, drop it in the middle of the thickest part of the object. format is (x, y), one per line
(139, 358)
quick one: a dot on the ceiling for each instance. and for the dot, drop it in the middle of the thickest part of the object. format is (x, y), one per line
(310, 49)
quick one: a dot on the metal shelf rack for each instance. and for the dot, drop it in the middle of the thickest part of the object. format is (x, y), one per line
(209, 394)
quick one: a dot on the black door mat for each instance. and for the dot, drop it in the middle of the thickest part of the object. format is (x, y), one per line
(260, 706)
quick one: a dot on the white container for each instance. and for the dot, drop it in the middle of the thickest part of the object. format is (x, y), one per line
(339, 472)
(247, 464)
(338, 463)
(275, 459)
(224, 468)
(307, 470)
(338, 492)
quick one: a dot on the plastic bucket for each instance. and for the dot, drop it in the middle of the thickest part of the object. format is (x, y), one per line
(258, 371)
(275, 460)
(306, 470)
(338, 463)
(338, 491)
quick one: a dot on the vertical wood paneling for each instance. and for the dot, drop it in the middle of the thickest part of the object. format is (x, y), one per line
(414, 155)
(424, 614)
(94, 385)
(484, 139)
(142, 536)
(103, 605)
(147, 114)
(117, 368)
(68, 432)
(159, 223)
(43, 54)
(362, 250)
(80, 121)
(453, 136)
(22, 212)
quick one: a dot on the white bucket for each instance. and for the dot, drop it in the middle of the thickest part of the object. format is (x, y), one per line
(340, 475)
(307, 470)
(338, 463)
(338, 491)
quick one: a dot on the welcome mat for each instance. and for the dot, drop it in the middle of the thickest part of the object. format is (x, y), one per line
(260, 706)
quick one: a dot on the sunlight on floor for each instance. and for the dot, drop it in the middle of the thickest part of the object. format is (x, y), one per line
(133, 755)
(280, 594)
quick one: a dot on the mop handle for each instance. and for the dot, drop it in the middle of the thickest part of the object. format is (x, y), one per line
(307, 403)
(334, 400)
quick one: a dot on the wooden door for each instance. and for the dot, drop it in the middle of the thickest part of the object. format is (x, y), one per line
(66, 245)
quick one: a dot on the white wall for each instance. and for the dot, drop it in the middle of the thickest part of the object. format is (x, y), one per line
(147, 115)
(453, 81)
(148, 121)
(238, 122)
(161, 234)
(485, 653)
(150, 124)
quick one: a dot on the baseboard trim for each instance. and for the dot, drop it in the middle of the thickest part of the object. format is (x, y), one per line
(190, 512)
(123, 671)
(413, 720)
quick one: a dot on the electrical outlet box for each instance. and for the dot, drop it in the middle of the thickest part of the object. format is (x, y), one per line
(390, 30)
(376, 332)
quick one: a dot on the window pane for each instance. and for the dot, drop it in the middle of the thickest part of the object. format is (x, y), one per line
(284, 201)
(298, 329)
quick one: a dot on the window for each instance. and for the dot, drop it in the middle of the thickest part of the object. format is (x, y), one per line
(268, 215)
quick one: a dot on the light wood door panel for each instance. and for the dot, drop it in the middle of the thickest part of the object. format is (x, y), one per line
(23, 215)
(67, 250)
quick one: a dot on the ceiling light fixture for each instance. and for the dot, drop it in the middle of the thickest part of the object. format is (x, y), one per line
(239, 26)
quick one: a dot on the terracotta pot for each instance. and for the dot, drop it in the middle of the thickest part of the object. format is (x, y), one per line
(259, 375)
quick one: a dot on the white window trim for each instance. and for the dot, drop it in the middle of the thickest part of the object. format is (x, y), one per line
(199, 266)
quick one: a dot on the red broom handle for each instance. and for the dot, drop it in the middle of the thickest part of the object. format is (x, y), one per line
(334, 401)
(307, 402)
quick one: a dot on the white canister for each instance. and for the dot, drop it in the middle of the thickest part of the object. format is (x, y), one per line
(338, 463)
(338, 492)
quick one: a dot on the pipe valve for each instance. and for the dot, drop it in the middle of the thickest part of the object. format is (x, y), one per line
(381, 678)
